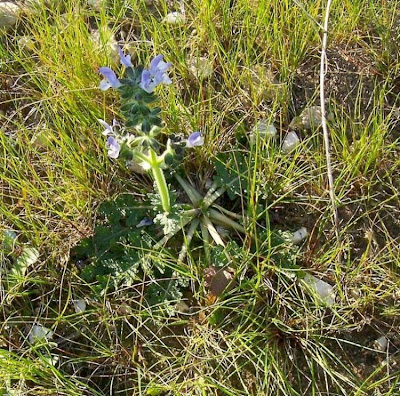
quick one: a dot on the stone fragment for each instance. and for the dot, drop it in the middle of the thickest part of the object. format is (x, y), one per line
(39, 333)
(264, 129)
(201, 67)
(79, 305)
(323, 289)
(9, 14)
(300, 235)
(175, 18)
(104, 40)
(381, 343)
(290, 142)
(309, 118)
(218, 280)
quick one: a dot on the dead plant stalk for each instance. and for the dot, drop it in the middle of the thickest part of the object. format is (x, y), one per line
(323, 71)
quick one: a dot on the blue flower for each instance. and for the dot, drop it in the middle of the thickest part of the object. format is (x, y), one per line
(125, 60)
(195, 139)
(110, 80)
(156, 75)
(113, 147)
(145, 223)
(109, 129)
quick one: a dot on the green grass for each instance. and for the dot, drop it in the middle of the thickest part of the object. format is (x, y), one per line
(272, 336)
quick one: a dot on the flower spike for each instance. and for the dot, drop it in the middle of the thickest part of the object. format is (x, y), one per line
(125, 60)
(110, 80)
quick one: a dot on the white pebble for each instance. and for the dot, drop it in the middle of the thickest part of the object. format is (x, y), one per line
(9, 13)
(323, 289)
(26, 43)
(175, 18)
(381, 343)
(97, 5)
(264, 129)
(290, 142)
(38, 333)
(201, 67)
(104, 41)
(182, 307)
(79, 305)
(300, 235)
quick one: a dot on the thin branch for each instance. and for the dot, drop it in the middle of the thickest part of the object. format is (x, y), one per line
(188, 239)
(323, 70)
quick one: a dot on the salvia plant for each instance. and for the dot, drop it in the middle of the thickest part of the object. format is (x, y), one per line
(150, 239)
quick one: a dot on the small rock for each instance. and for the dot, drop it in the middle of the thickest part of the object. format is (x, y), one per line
(290, 142)
(39, 333)
(135, 167)
(97, 5)
(218, 280)
(310, 117)
(9, 14)
(125, 309)
(323, 289)
(104, 40)
(182, 307)
(264, 129)
(9, 240)
(381, 343)
(201, 67)
(36, 5)
(260, 82)
(300, 235)
(26, 43)
(175, 18)
(79, 305)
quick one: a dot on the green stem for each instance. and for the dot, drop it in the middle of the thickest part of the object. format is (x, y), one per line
(209, 200)
(190, 191)
(188, 239)
(226, 221)
(160, 181)
(211, 191)
(213, 232)
(206, 241)
(227, 212)
(213, 195)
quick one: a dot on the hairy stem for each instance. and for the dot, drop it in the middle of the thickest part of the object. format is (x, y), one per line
(160, 181)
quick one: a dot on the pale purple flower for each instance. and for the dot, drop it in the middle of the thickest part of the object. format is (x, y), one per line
(113, 147)
(109, 129)
(125, 60)
(156, 74)
(145, 223)
(110, 80)
(195, 139)
(158, 65)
